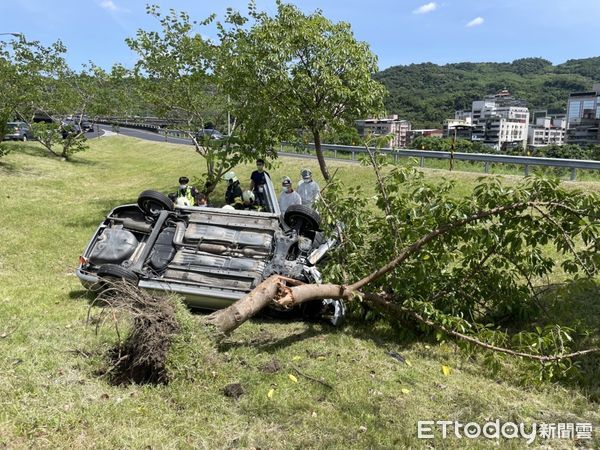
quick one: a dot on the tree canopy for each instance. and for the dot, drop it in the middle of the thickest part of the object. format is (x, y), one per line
(177, 73)
(294, 71)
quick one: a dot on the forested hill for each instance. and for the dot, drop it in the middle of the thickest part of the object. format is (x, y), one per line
(426, 94)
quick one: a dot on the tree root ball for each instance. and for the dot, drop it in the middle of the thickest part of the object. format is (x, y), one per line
(141, 357)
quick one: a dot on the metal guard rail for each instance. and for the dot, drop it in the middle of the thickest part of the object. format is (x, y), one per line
(486, 158)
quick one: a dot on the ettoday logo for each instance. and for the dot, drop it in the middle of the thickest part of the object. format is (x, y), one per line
(428, 429)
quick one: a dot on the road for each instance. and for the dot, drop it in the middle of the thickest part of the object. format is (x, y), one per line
(143, 134)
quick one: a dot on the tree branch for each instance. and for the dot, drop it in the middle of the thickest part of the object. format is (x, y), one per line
(395, 309)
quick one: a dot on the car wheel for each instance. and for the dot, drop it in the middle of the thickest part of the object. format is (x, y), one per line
(153, 202)
(302, 218)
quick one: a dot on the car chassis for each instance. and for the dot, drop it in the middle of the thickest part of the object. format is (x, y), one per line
(212, 257)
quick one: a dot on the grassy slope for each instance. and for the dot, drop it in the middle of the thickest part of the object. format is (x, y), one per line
(50, 397)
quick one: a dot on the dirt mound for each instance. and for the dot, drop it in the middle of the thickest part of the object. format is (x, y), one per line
(141, 356)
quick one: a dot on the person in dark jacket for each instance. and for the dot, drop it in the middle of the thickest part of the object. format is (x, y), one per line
(258, 181)
(233, 195)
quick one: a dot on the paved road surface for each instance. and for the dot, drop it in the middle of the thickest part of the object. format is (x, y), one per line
(147, 135)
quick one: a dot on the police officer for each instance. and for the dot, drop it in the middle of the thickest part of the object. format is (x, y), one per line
(233, 194)
(186, 195)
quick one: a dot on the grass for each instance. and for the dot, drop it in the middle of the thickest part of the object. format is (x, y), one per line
(51, 396)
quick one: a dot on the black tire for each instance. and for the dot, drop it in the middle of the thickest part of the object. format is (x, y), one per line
(153, 202)
(302, 218)
(114, 271)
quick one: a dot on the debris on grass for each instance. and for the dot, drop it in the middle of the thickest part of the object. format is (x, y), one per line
(234, 390)
(271, 367)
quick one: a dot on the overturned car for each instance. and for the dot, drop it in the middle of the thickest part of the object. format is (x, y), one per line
(210, 256)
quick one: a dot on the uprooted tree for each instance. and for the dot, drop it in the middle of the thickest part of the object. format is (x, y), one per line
(466, 268)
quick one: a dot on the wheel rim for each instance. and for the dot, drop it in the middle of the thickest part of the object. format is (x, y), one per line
(153, 208)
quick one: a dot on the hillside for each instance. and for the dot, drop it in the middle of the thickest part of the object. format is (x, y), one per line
(427, 93)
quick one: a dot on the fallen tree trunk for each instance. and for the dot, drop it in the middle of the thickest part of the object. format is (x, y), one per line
(282, 291)
(276, 289)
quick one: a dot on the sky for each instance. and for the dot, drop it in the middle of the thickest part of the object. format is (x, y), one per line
(399, 32)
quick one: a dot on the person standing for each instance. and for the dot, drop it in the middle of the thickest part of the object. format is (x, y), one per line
(308, 188)
(258, 182)
(288, 196)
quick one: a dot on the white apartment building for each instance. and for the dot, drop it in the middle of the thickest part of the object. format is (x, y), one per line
(500, 121)
(398, 130)
(546, 131)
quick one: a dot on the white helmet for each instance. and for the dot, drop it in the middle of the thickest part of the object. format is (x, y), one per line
(286, 181)
(228, 207)
(230, 177)
(248, 196)
(306, 174)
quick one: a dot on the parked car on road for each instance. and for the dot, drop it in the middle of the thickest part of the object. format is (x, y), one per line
(69, 127)
(18, 131)
(209, 133)
(86, 125)
(210, 256)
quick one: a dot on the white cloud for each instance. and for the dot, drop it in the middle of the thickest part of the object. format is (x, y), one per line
(109, 5)
(426, 8)
(476, 22)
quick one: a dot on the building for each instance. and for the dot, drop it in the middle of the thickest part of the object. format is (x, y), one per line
(398, 130)
(459, 128)
(546, 131)
(500, 121)
(461, 114)
(583, 117)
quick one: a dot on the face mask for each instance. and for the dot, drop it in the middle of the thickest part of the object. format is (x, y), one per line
(287, 189)
(183, 187)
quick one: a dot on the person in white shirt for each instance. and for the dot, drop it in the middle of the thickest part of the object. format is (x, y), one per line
(308, 188)
(288, 196)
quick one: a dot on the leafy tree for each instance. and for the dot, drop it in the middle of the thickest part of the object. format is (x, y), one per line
(594, 152)
(342, 136)
(569, 151)
(52, 135)
(24, 65)
(469, 269)
(296, 71)
(74, 94)
(177, 74)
